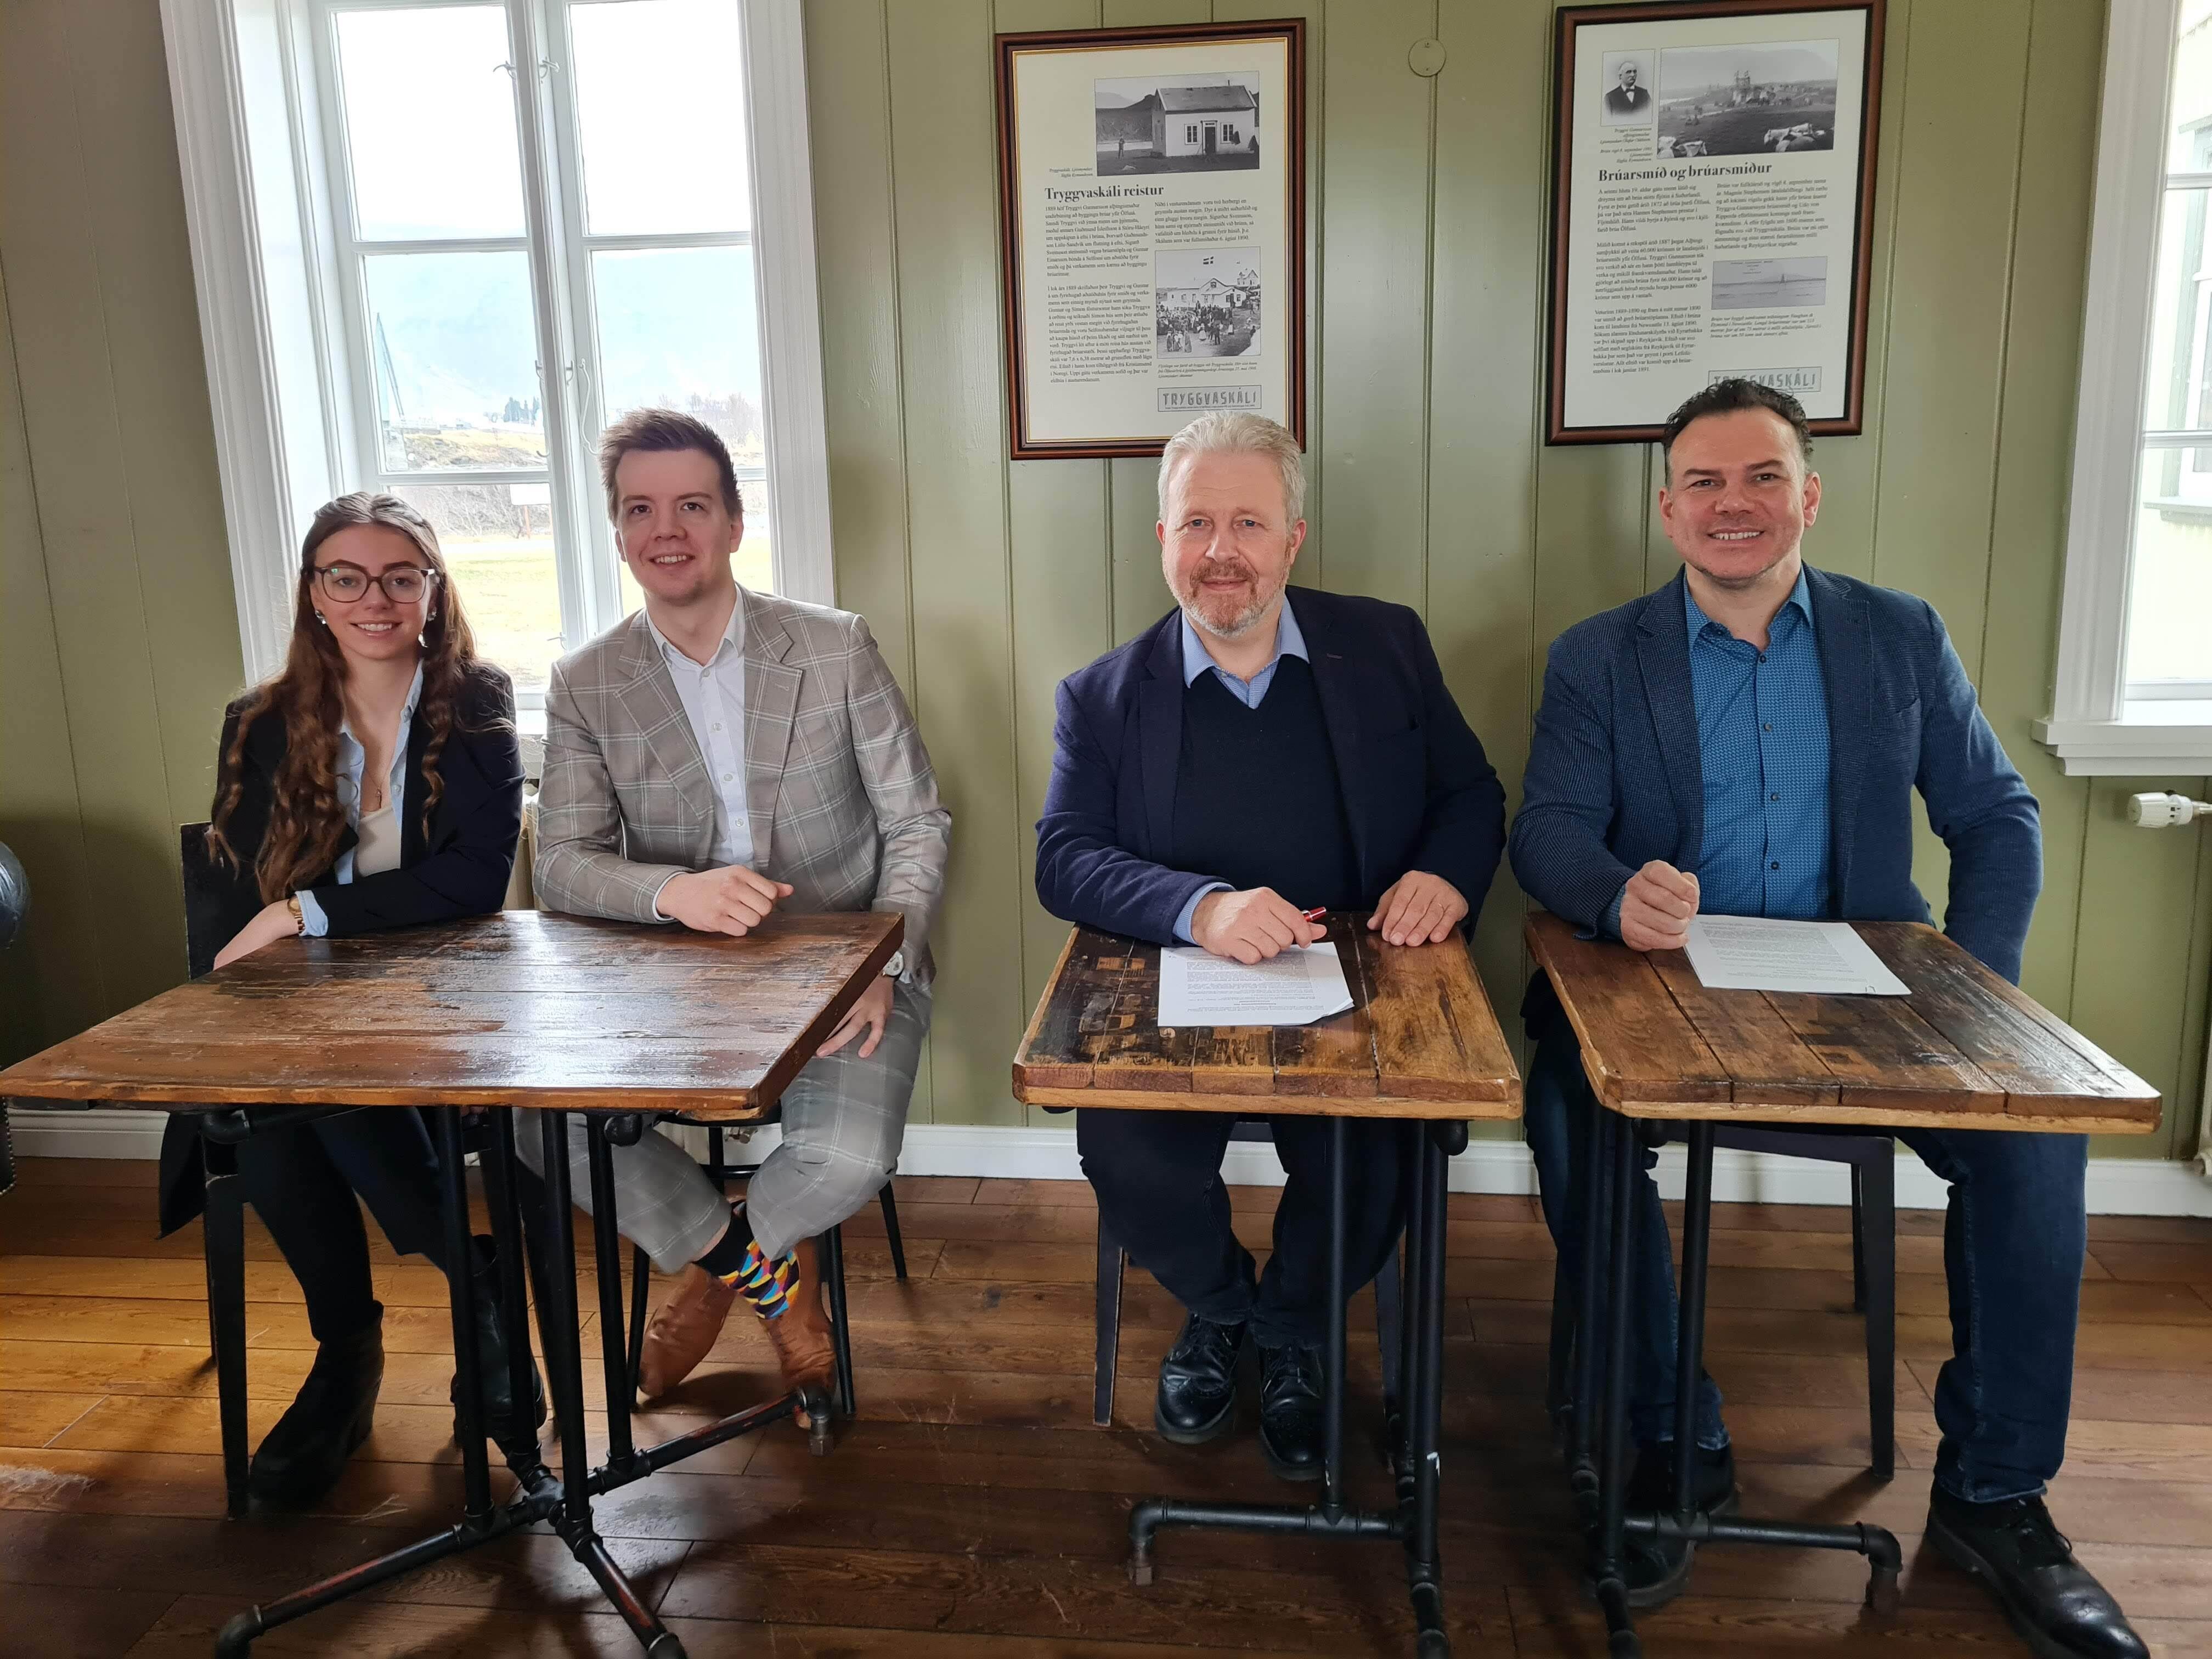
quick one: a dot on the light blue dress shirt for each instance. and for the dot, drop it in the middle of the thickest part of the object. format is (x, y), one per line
(712, 694)
(353, 759)
(1763, 748)
(1290, 642)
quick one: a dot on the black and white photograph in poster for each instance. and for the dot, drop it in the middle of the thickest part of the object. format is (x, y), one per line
(1209, 301)
(1152, 223)
(1628, 86)
(1209, 123)
(1721, 229)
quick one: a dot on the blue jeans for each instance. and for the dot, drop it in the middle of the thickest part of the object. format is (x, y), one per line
(2014, 1240)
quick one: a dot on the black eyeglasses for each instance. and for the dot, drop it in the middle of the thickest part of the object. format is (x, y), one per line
(403, 584)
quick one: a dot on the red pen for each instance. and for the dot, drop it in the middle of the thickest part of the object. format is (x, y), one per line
(1314, 916)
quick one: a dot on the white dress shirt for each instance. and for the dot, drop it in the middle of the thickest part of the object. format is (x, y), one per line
(379, 851)
(713, 699)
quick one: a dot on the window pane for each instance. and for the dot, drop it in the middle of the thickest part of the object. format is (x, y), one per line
(2170, 594)
(660, 95)
(2189, 129)
(2174, 389)
(429, 114)
(498, 543)
(679, 329)
(452, 347)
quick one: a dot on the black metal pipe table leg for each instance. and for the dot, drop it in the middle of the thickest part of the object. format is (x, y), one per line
(1618, 1155)
(224, 1247)
(1592, 1173)
(832, 1257)
(1423, 1563)
(504, 1200)
(606, 1247)
(1684, 1522)
(1332, 1517)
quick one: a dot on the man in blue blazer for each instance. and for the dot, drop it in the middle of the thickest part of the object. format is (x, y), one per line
(1746, 741)
(1257, 754)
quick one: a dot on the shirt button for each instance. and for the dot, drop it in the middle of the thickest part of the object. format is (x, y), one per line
(727, 777)
(1769, 727)
(1774, 866)
(1762, 656)
(1774, 797)
(718, 726)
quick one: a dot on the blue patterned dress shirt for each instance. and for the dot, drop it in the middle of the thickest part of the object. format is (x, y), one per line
(1763, 748)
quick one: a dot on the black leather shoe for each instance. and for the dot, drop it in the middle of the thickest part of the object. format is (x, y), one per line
(1289, 1409)
(1656, 1568)
(2023, 1560)
(1197, 1399)
(302, 1457)
(502, 1424)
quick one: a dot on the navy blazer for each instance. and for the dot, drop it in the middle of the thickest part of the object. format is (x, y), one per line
(1615, 781)
(457, 864)
(1418, 792)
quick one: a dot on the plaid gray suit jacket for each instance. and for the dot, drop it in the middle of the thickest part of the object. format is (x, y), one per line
(840, 795)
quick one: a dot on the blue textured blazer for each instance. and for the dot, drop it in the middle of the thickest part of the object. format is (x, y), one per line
(1418, 792)
(1614, 779)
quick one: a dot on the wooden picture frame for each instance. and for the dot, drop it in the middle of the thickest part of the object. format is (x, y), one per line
(1741, 183)
(1150, 283)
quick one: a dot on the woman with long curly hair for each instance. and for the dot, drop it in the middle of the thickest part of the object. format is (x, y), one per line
(375, 781)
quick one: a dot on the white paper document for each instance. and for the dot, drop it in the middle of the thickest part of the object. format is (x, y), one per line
(1295, 989)
(1749, 953)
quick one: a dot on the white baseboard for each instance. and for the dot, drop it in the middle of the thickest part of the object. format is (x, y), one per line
(2118, 1186)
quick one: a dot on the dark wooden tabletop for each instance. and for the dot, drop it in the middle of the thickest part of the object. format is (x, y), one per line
(1419, 1041)
(523, 1008)
(1964, 1050)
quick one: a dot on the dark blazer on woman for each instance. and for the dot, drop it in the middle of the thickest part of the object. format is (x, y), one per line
(458, 865)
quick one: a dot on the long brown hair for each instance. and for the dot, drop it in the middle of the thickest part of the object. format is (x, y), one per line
(305, 817)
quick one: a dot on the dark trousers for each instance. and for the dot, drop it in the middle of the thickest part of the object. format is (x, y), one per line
(303, 1183)
(2014, 1236)
(1157, 1175)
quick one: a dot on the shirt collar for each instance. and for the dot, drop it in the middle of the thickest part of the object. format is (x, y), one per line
(1800, 596)
(1290, 642)
(733, 639)
(406, 715)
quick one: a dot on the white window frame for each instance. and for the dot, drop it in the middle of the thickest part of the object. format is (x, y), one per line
(252, 133)
(2097, 726)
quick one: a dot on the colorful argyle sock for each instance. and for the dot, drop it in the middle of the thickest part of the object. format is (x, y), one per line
(738, 1260)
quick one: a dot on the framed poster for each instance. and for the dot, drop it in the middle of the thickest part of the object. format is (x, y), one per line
(1713, 171)
(1151, 193)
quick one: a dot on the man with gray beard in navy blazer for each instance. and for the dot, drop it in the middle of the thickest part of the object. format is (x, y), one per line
(1746, 742)
(1258, 753)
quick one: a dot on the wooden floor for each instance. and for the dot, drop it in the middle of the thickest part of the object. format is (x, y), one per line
(974, 1511)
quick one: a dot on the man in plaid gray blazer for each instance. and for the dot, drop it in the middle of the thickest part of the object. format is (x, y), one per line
(717, 756)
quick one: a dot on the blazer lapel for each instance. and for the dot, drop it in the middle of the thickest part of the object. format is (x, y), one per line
(771, 704)
(414, 838)
(650, 704)
(1159, 733)
(1662, 656)
(1845, 640)
(1335, 684)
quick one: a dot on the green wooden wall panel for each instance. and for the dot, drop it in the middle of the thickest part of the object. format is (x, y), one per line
(1373, 306)
(1945, 342)
(986, 582)
(856, 257)
(2133, 990)
(942, 145)
(2043, 326)
(53, 980)
(166, 448)
(96, 533)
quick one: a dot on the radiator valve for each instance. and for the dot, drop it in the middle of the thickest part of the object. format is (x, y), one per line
(2159, 812)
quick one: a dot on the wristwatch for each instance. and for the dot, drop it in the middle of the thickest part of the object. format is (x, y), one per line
(299, 922)
(896, 966)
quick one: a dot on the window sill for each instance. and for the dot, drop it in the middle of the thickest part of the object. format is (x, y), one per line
(2153, 738)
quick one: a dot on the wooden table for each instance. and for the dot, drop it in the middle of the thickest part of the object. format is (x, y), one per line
(1964, 1050)
(1419, 1045)
(519, 1010)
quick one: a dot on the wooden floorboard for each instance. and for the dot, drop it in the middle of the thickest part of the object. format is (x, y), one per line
(974, 1512)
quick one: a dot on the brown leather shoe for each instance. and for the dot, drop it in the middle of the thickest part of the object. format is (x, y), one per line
(682, 1330)
(803, 1346)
